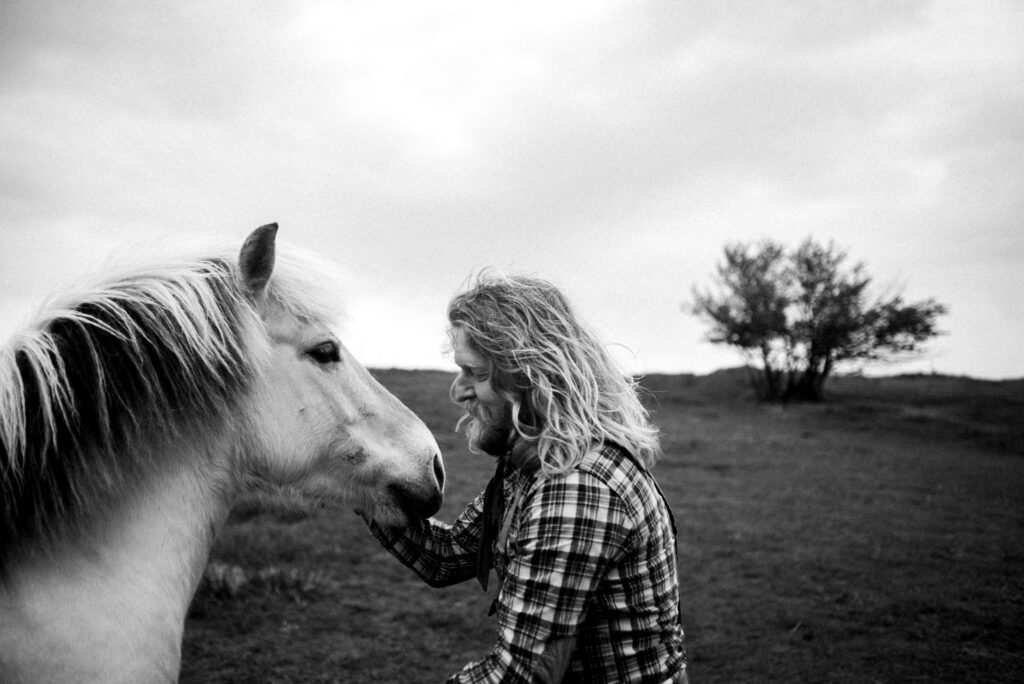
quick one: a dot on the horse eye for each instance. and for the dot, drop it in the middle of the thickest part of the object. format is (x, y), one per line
(325, 352)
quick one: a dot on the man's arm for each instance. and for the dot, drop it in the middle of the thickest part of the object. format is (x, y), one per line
(441, 554)
(573, 529)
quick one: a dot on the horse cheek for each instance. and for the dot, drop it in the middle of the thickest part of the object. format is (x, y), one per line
(285, 427)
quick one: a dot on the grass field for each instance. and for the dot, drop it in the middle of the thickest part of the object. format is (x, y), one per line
(878, 537)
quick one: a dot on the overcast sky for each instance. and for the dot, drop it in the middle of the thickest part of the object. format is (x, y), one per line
(612, 146)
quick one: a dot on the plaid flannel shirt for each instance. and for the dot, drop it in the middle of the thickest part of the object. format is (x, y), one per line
(588, 560)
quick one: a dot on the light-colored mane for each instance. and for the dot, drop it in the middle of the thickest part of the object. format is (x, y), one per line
(135, 411)
(108, 374)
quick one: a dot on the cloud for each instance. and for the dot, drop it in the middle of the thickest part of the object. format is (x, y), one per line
(612, 146)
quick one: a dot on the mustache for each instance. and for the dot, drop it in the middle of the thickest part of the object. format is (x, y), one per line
(479, 411)
(478, 417)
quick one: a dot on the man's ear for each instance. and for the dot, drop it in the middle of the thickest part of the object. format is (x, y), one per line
(256, 261)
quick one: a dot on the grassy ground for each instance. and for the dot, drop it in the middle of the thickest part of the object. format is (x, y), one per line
(874, 538)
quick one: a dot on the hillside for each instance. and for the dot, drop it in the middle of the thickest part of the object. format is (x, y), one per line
(953, 407)
(875, 537)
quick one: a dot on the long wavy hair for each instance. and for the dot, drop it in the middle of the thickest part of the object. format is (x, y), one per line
(566, 391)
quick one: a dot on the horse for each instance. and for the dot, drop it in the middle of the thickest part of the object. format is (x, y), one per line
(134, 412)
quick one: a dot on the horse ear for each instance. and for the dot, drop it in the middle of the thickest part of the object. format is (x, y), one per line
(256, 260)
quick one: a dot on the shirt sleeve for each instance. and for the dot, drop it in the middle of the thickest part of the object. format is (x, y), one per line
(572, 530)
(441, 554)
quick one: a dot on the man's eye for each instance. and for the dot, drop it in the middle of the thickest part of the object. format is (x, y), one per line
(324, 353)
(475, 376)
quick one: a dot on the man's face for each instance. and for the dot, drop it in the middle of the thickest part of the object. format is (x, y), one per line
(490, 426)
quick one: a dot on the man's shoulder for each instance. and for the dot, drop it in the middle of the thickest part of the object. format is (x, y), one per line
(609, 462)
(606, 466)
(622, 473)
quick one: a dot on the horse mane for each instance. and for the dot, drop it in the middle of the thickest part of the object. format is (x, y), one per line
(106, 376)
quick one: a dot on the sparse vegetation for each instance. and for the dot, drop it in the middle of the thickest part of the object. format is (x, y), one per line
(875, 538)
(800, 315)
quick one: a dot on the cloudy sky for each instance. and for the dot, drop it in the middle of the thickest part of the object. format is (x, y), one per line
(612, 146)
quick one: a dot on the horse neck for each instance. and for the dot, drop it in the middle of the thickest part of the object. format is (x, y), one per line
(111, 607)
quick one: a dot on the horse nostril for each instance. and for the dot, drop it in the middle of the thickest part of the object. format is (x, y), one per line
(439, 471)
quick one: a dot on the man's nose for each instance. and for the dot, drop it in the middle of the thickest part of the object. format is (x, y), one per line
(462, 390)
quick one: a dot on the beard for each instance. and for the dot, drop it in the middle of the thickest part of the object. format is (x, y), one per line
(489, 430)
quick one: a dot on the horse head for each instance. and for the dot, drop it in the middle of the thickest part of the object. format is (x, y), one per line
(318, 420)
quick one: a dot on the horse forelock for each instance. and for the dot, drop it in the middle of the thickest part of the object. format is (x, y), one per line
(308, 287)
(105, 377)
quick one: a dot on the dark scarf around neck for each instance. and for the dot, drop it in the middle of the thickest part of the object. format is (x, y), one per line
(522, 457)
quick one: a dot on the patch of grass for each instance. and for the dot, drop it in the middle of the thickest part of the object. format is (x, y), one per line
(222, 581)
(873, 538)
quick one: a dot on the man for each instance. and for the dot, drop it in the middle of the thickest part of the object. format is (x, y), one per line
(580, 537)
